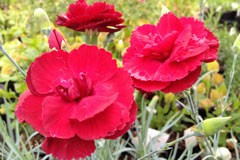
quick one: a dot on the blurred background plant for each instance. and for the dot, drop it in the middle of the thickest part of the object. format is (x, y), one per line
(162, 117)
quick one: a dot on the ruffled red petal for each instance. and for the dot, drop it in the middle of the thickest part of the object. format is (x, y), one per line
(133, 114)
(96, 63)
(101, 125)
(99, 16)
(68, 149)
(150, 86)
(169, 23)
(185, 83)
(47, 71)
(56, 117)
(90, 106)
(29, 109)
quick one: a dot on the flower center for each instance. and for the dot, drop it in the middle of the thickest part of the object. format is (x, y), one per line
(75, 89)
(161, 47)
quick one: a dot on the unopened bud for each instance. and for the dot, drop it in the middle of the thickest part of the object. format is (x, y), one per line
(120, 45)
(169, 97)
(164, 10)
(42, 18)
(210, 126)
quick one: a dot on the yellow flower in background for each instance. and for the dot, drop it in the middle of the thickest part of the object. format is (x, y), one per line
(206, 103)
(201, 88)
(215, 95)
(217, 79)
(2, 110)
(7, 69)
(213, 66)
(169, 97)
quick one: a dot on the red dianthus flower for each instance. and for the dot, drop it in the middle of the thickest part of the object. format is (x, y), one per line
(99, 16)
(75, 98)
(168, 57)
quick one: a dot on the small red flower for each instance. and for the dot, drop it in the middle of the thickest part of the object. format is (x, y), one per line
(168, 57)
(99, 16)
(75, 98)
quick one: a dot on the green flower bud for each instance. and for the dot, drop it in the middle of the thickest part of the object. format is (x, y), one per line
(42, 18)
(120, 45)
(210, 126)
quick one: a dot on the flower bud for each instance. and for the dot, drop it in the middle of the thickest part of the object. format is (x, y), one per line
(217, 79)
(169, 97)
(223, 153)
(42, 18)
(164, 10)
(120, 45)
(56, 40)
(201, 88)
(213, 66)
(210, 126)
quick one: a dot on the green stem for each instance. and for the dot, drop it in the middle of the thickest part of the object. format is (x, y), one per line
(91, 37)
(12, 61)
(195, 116)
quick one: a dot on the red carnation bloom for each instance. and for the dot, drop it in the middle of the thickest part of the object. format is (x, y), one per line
(168, 56)
(99, 16)
(75, 98)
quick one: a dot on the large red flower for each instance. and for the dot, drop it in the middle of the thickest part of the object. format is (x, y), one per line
(99, 16)
(168, 56)
(75, 98)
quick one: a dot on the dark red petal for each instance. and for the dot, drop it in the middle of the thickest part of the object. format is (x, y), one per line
(88, 107)
(99, 16)
(67, 149)
(169, 23)
(185, 83)
(133, 114)
(56, 117)
(96, 63)
(47, 71)
(150, 86)
(55, 40)
(29, 109)
(101, 125)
